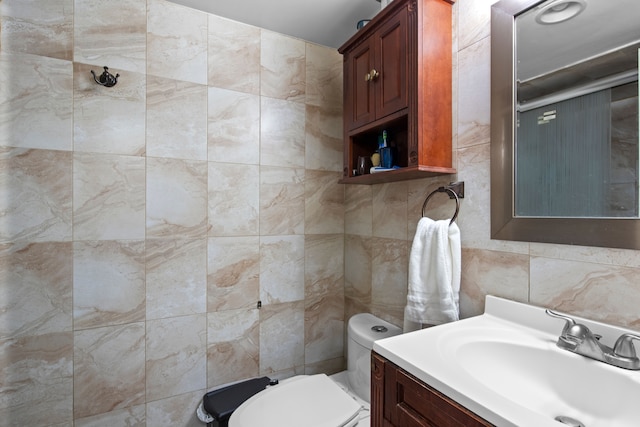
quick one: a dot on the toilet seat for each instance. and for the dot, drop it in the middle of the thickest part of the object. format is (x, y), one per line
(304, 400)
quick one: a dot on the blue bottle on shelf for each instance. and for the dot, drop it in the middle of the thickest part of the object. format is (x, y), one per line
(386, 153)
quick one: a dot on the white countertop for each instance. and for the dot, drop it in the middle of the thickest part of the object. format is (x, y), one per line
(433, 356)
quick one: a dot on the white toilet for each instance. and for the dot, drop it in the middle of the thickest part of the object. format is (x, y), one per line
(341, 400)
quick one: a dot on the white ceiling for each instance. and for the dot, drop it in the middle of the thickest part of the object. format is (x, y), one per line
(325, 22)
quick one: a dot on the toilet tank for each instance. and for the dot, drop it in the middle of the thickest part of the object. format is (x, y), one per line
(363, 330)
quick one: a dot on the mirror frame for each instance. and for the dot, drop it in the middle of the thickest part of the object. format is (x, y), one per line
(606, 232)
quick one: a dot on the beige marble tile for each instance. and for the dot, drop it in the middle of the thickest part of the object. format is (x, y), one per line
(36, 101)
(234, 273)
(390, 210)
(176, 277)
(65, 424)
(324, 203)
(281, 269)
(108, 283)
(612, 256)
(38, 27)
(485, 273)
(176, 198)
(234, 55)
(324, 297)
(474, 21)
(175, 411)
(234, 198)
(600, 292)
(233, 340)
(474, 218)
(281, 201)
(354, 306)
(234, 127)
(176, 356)
(390, 260)
(323, 76)
(323, 138)
(109, 369)
(455, 25)
(37, 280)
(133, 416)
(282, 133)
(329, 367)
(358, 268)
(108, 197)
(323, 266)
(282, 67)
(102, 37)
(176, 119)
(109, 120)
(281, 337)
(176, 42)
(474, 98)
(455, 90)
(324, 327)
(35, 195)
(287, 373)
(358, 210)
(37, 384)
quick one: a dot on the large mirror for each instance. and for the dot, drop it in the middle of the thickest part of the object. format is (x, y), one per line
(564, 122)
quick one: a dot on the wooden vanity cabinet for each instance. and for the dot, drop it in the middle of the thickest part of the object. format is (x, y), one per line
(398, 399)
(397, 77)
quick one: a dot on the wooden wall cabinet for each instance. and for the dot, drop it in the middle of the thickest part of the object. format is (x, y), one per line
(377, 73)
(398, 399)
(397, 77)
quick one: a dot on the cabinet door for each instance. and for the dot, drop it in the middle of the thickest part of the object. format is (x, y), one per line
(358, 94)
(391, 84)
(398, 399)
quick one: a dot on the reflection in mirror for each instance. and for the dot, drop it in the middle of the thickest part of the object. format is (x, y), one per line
(564, 122)
(576, 152)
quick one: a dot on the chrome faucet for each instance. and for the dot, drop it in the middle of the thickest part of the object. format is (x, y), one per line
(577, 338)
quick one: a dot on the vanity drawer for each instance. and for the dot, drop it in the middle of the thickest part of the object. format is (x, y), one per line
(409, 402)
(420, 405)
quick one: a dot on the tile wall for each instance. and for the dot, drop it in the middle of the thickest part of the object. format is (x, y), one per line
(141, 224)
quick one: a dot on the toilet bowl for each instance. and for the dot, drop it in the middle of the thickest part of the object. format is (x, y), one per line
(341, 400)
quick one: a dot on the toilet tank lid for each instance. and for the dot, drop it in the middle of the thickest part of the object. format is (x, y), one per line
(364, 329)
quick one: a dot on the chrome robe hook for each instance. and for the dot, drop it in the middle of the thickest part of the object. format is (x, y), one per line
(106, 78)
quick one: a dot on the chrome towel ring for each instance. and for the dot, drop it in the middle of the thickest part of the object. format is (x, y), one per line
(455, 191)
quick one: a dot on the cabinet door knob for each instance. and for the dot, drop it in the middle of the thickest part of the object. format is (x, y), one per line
(367, 77)
(374, 74)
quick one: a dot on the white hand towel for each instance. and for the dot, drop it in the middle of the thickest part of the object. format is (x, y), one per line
(434, 275)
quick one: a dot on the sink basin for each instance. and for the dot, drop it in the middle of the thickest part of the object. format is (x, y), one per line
(505, 366)
(545, 379)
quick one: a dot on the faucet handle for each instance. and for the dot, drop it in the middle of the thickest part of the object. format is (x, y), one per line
(624, 345)
(572, 332)
(569, 321)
